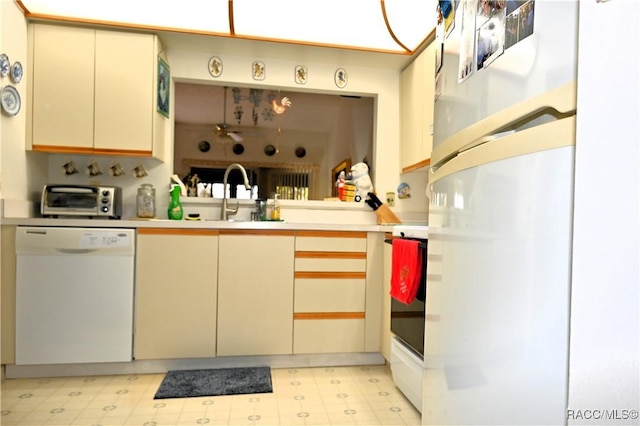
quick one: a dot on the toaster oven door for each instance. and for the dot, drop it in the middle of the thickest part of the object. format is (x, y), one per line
(70, 200)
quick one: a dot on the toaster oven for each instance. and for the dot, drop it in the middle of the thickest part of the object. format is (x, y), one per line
(81, 200)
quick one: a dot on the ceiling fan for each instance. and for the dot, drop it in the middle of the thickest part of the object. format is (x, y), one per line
(223, 130)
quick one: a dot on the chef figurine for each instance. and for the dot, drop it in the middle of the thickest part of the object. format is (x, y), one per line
(340, 185)
(361, 179)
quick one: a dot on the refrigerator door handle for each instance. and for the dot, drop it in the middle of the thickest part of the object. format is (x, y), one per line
(560, 102)
(552, 135)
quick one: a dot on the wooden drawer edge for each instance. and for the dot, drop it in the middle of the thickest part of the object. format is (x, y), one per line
(331, 254)
(332, 234)
(329, 274)
(327, 315)
(256, 232)
(177, 231)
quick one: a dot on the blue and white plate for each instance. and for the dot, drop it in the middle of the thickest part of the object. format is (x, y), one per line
(4, 65)
(16, 72)
(10, 99)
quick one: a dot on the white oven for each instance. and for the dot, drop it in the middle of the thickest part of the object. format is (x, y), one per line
(407, 327)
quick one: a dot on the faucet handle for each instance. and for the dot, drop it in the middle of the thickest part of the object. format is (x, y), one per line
(232, 211)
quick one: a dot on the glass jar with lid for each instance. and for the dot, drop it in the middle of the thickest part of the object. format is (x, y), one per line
(146, 201)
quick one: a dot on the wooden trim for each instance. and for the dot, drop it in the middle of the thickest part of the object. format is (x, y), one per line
(255, 232)
(232, 26)
(329, 274)
(122, 152)
(189, 162)
(61, 149)
(332, 234)
(331, 255)
(89, 151)
(416, 166)
(391, 33)
(178, 231)
(327, 315)
(156, 28)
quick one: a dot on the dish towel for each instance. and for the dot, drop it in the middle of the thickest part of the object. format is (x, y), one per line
(406, 269)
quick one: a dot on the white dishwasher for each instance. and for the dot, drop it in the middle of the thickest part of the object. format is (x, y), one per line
(74, 295)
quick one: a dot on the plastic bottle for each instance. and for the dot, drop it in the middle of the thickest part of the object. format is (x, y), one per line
(174, 211)
(275, 208)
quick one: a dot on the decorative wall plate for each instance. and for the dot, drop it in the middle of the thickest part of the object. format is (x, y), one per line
(341, 78)
(204, 146)
(4, 65)
(258, 70)
(10, 100)
(16, 72)
(404, 190)
(215, 66)
(270, 150)
(300, 75)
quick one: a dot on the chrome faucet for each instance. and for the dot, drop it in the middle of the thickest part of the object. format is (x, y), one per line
(225, 212)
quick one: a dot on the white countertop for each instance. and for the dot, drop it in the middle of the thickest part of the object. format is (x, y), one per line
(192, 224)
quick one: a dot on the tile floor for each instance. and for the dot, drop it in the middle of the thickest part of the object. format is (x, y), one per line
(360, 395)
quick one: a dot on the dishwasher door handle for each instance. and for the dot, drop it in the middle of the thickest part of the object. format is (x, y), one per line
(75, 251)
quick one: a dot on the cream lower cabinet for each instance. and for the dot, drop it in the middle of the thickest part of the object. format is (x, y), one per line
(255, 293)
(176, 293)
(8, 295)
(330, 292)
(93, 92)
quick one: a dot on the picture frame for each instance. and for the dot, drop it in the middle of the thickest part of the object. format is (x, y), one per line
(341, 78)
(215, 66)
(343, 166)
(258, 70)
(164, 87)
(300, 74)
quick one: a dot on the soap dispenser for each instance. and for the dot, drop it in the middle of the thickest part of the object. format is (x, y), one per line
(275, 208)
(174, 211)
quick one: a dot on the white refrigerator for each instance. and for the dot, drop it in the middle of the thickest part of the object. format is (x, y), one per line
(501, 199)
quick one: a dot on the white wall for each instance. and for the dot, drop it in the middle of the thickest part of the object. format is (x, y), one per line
(25, 172)
(382, 84)
(605, 320)
(21, 173)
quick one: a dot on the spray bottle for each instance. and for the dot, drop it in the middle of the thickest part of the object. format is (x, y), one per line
(174, 211)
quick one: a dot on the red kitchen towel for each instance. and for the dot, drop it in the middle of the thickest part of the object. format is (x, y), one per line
(406, 269)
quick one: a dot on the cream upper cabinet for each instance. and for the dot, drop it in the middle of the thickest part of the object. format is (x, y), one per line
(93, 92)
(125, 70)
(417, 104)
(255, 293)
(176, 293)
(62, 84)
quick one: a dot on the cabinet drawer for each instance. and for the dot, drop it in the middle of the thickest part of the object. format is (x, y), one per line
(328, 336)
(331, 264)
(337, 295)
(331, 242)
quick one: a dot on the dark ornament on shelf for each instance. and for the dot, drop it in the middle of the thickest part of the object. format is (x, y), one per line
(300, 152)
(204, 146)
(270, 150)
(238, 148)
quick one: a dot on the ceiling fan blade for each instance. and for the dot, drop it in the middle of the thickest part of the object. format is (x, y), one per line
(236, 137)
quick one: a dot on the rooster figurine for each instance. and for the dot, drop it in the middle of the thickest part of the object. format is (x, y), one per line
(280, 109)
